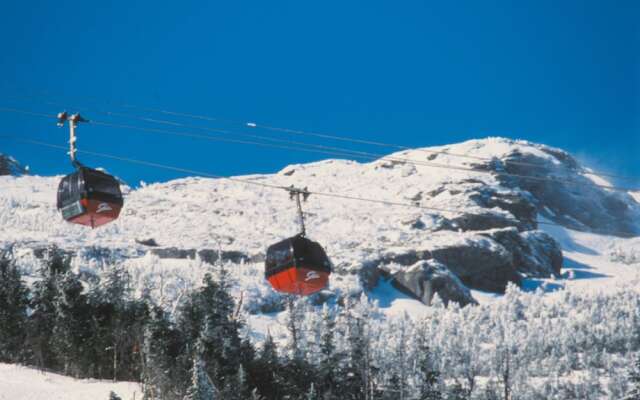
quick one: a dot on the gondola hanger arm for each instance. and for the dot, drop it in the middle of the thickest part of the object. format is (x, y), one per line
(73, 120)
(295, 193)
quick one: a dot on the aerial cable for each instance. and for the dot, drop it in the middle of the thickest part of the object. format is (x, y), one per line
(209, 175)
(25, 112)
(379, 144)
(319, 135)
(206, 137)
(342, 153)
(366, 156)
(280, 187)
(241, 134)
(312, 134)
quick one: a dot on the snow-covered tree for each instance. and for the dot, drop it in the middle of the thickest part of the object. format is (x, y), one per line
(311, 394)
(201, 388)
(633, 392)
(42, 320)
(329, 357)
(14, 299)
(267, 370)
(159, 372)
(114, 396)
(427, 376)
(72, 331)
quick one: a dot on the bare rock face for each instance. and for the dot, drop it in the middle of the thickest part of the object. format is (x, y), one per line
(502, 243)
(535, 253)
(486, 260)
(9, 166)
(500, 208)
(480, 263)
(520, 204)
(479, 221)
(568, 197)
(425, 278)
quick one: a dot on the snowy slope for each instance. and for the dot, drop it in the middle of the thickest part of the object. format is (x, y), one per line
(22, 383)
(209, 213)
(199, 213)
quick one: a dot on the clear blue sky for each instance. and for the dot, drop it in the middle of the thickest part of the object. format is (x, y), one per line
(417, 73)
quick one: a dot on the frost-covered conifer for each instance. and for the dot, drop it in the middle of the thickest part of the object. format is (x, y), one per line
(14, 299)
(201, 387)
(114, 396)
(633, 392)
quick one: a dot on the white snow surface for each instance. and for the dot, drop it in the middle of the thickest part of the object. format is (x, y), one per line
(213, 213)
(202, 213)
(23, 383)
(198, 213)
(208, 213)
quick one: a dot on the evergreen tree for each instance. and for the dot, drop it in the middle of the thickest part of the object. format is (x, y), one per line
(633, 392)
(72, 329)
(329, 358)
(113, 396)
(201, 387)
(393, 388)
(400, 358)
(43, 305)
(267, 372)
(428, 377)
(243, 389)
(160, 349)
(14, 298)
(353, 385)
(294, 322)
(457, 392)
(312, 394)
(237, 387)
(255, 395)
(110, 300)
(207, 317)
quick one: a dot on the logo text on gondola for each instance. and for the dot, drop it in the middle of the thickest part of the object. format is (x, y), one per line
(311, 275)
(104, 207)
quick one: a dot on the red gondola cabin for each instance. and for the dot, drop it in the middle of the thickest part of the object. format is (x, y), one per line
(298, 266)
(89, 197)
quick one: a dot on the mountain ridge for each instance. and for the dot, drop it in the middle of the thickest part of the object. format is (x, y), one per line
(489, 237)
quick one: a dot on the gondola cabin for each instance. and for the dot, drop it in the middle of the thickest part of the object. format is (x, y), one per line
(89, 197)
(298, 266)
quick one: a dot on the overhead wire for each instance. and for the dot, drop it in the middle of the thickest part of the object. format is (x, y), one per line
(210, 175)
(371, 157)
(381, 144)
(334, 151)
(278, 187)
(336, 137)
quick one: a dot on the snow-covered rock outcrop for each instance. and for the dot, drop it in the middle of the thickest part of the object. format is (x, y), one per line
(474, 226)
(10, 166)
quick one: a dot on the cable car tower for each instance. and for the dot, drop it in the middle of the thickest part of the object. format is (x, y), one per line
(297, 265)
(87, 196)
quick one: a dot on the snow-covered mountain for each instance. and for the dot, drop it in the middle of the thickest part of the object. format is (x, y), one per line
(508, 212)
(474, 226)
(11, 166)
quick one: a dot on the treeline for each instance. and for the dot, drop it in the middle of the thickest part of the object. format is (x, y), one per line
(57, 325)
(522, 347)
(68, 324)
